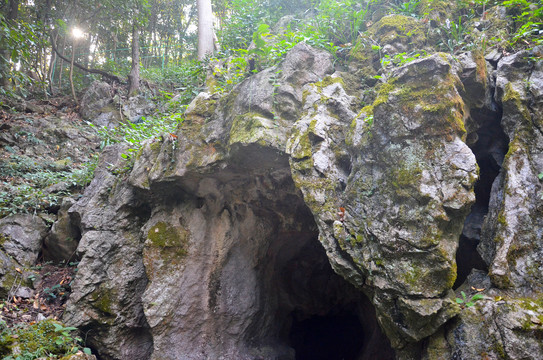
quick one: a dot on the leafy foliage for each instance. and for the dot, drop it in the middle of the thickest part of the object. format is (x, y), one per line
(408, 8)
(47, 338)
(341, 21)
(25, 182)
(528, 16)
(465, 302)
(187, 78)
(134, 134)
(20, 41)
(243, 19)
(453, 35)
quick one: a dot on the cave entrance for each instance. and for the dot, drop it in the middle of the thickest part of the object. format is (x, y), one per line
(319, 314)
(335, 336)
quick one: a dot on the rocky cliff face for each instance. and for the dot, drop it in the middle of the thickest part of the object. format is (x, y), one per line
(282, 221)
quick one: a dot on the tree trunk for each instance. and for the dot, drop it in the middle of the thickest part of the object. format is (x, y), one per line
(72, 72)
(5, 66)
(52, 64)
(205, 29)
(61, 67)
(134, 77)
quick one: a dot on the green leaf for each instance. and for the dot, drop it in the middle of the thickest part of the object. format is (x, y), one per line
(477, 296)
(459, 301)
(87, 351)
(540, 176)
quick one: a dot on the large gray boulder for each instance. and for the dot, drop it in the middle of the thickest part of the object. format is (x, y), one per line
(97, 105)
(22, 237)
(60, 245)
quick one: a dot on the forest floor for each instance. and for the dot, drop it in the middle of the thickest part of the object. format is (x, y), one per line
(51, 291)
(45, 149)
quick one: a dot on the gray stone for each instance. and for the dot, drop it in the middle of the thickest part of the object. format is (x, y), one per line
(98, 97)
(510, 240)
(137, 106)
(22, 237)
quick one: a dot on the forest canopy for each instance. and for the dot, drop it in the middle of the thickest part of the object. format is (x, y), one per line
(41, 38)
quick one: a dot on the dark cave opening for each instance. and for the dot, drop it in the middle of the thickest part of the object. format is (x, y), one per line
(489, 145)
(329, 337)
(319, 314)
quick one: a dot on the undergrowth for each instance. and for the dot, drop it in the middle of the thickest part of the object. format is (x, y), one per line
(28, 185)
(45, 339)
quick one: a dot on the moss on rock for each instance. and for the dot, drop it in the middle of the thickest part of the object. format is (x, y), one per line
(169, 238)
(399, 28)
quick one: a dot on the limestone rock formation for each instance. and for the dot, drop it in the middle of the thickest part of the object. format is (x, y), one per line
(282, 208)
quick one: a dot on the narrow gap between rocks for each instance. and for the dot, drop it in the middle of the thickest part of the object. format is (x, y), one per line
(489, 144)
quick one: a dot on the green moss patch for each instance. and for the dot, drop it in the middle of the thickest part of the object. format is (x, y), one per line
(250, 128)
(170, 240)
(103, 300)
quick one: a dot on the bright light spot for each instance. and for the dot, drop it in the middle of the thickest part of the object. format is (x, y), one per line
(77, 33)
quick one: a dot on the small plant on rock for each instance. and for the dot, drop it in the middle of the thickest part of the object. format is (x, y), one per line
(465, 302)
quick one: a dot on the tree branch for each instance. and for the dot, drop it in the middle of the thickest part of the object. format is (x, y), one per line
(92, 71)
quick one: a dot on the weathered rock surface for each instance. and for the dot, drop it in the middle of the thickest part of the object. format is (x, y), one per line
(97, 105)
(407, 163)
(217, 244)
(21, 238)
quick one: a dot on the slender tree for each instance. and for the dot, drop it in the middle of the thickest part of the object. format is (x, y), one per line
(205, 29)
